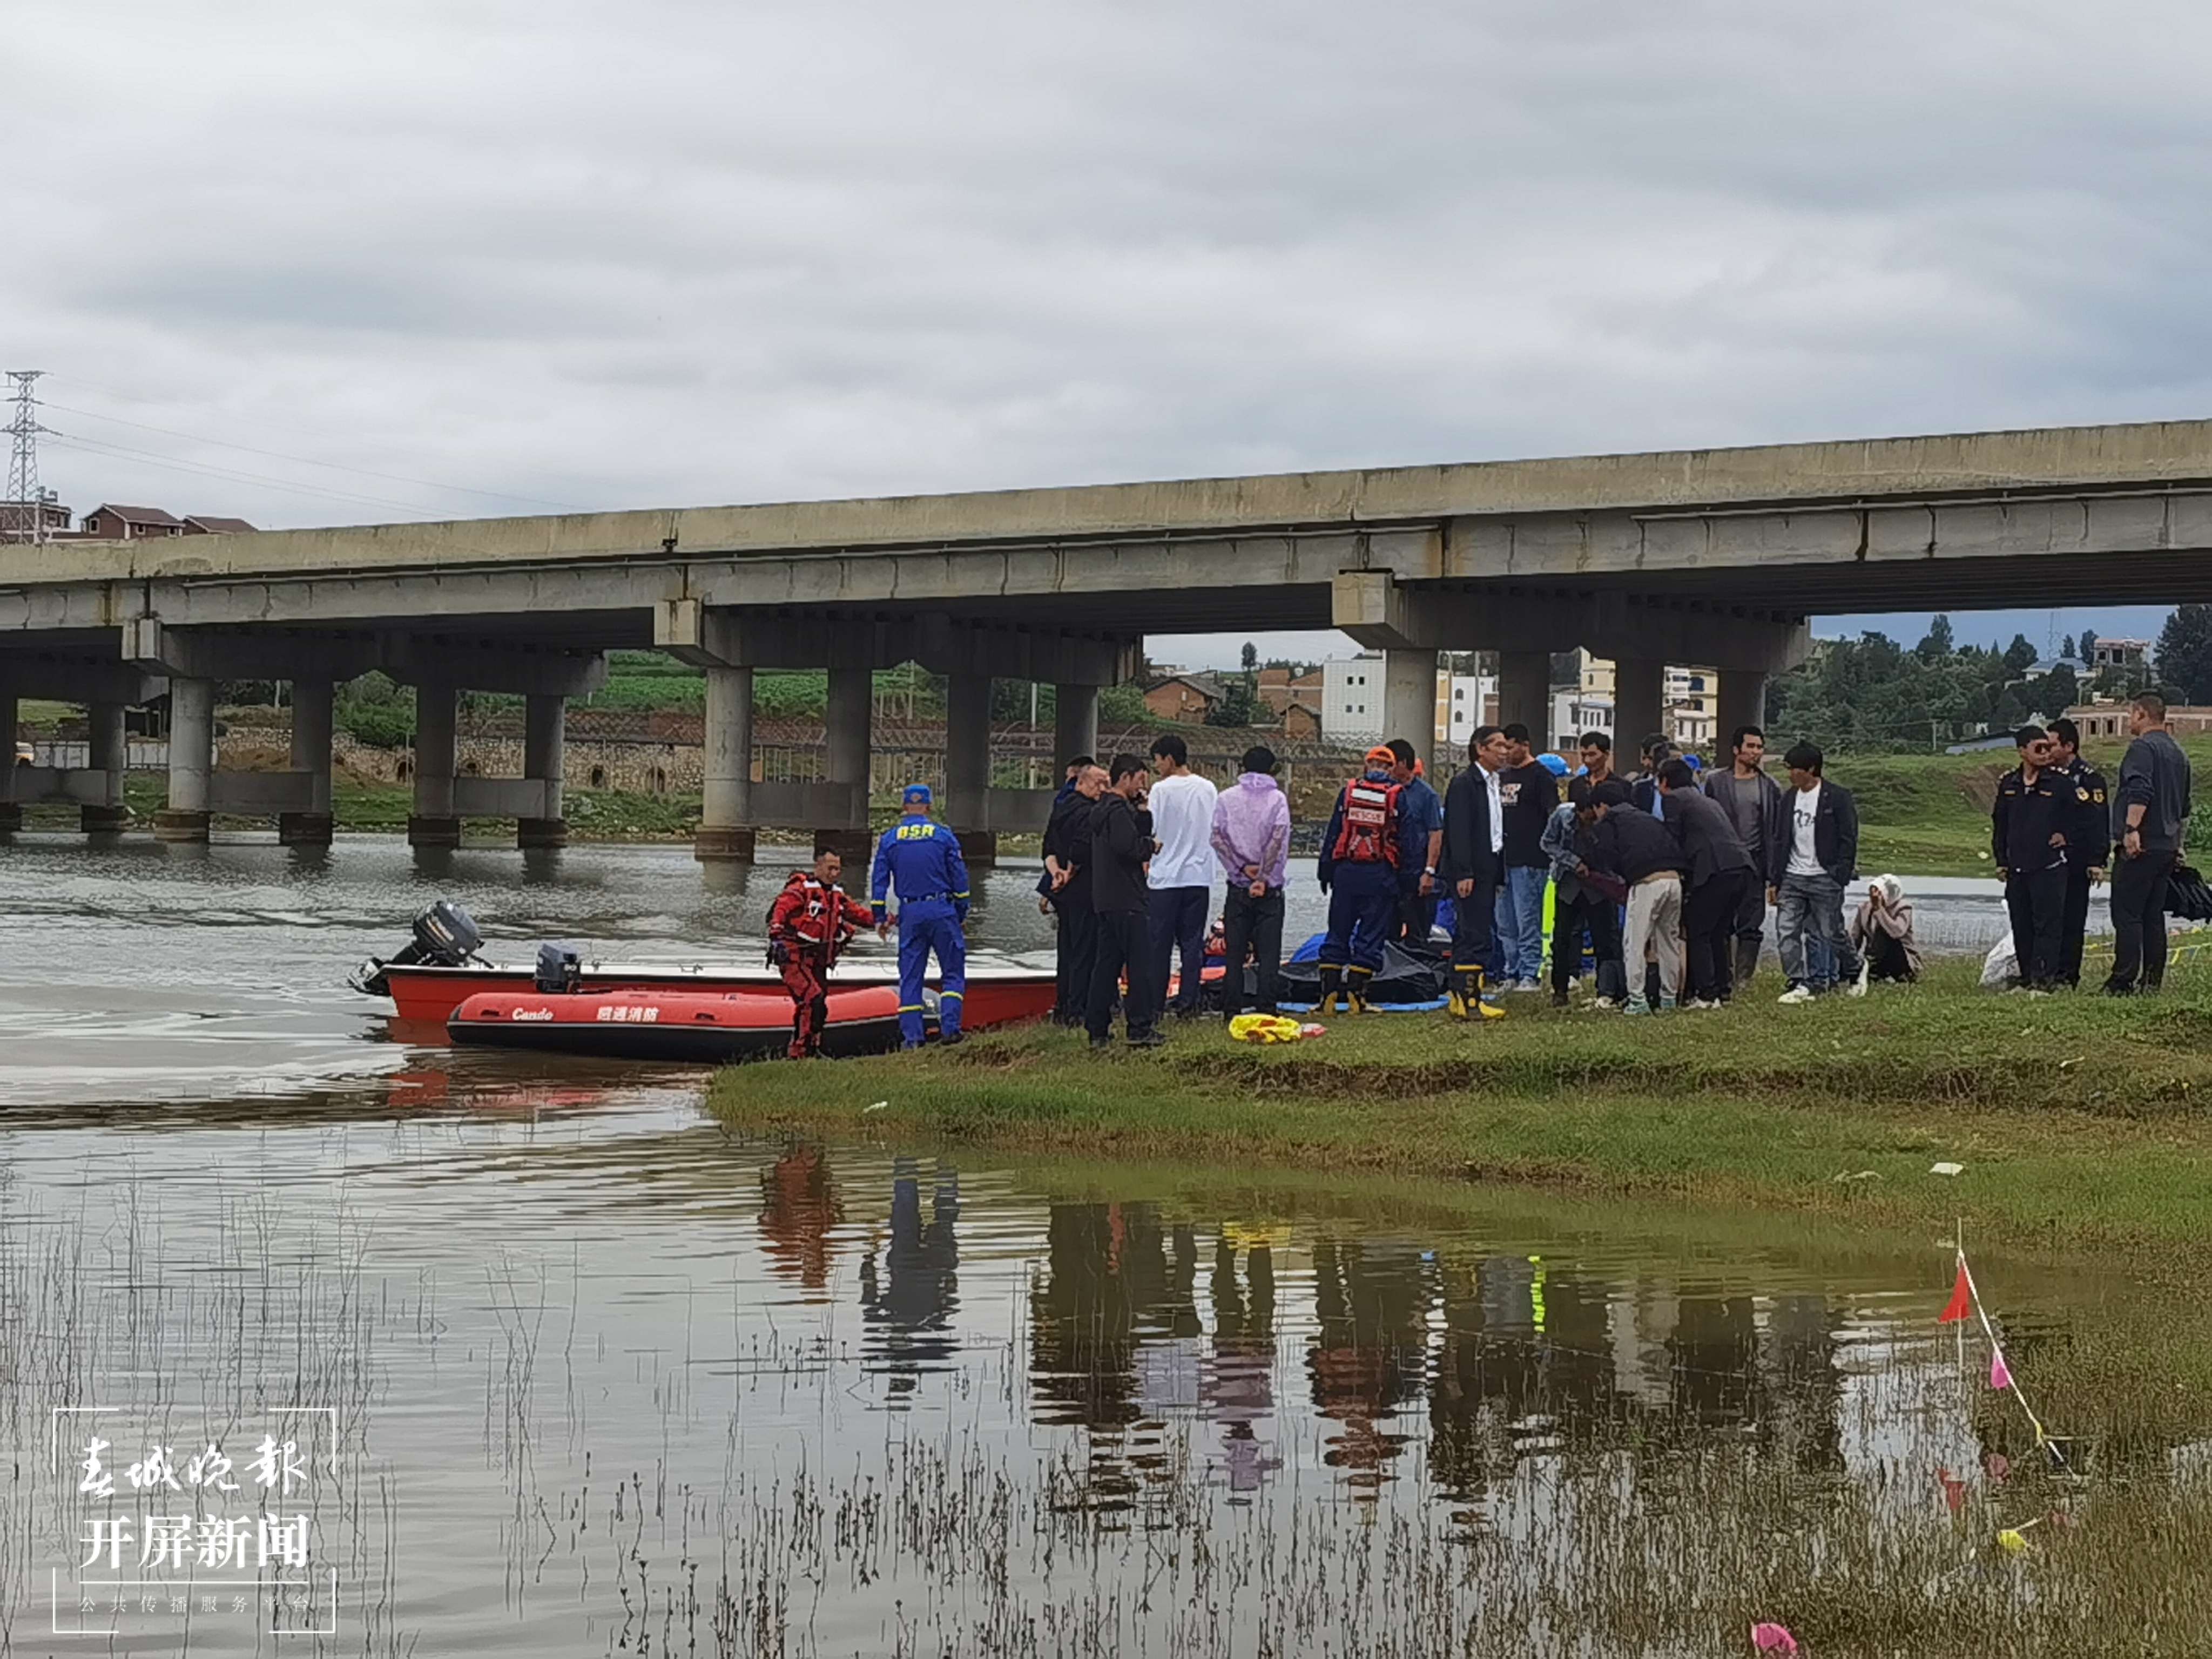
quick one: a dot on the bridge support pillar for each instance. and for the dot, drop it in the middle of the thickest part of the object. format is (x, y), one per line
(725, 830)
(109, 758)
(312, 722)
(11, 810)
(968, 767)
(191, 758)
(1074, 725)
(1524, 694)
(435, 823)
(544, 759)
(1639, 706)
(852, 690)
(1409, 697)
(1742, 702)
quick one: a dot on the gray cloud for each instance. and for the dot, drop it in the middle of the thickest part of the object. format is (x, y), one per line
(687, 253)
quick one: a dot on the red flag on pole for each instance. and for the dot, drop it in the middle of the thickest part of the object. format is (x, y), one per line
(1962, 1298)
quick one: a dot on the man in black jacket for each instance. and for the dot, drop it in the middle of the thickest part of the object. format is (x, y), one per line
(1753, 803)
(1121, 842)
(2088, 842)
(1472, 863)
(1808, 866)
(1067, 877)
(2150, 817)
(1720, 868)
(1631, 844)
(2035, 808)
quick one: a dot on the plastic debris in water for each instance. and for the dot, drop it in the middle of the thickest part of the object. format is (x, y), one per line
(1955, 1490)
(2000, 1377)
(881, 1105)
(2012, 1541)
(1768, 1637)
(1947, 1169)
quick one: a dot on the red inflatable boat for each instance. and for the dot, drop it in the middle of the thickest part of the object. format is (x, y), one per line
(688, 1027)
(439, 970)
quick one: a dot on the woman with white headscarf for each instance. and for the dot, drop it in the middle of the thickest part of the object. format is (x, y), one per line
(1882, 931)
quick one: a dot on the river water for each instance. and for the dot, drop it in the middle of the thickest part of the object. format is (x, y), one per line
(565, 1368)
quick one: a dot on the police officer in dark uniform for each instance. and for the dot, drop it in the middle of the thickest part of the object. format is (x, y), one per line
(2036, 807)
(2089, 844)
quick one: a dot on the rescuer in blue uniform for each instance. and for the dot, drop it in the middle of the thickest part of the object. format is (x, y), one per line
(921, 858)
(1370, 856)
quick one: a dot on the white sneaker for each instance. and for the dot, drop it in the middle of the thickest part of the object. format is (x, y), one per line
(1858, 988)
(1604, 1005)
(1698, 1004)
(1797, 993)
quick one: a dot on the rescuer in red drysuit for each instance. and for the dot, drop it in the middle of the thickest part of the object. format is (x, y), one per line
(813, 918)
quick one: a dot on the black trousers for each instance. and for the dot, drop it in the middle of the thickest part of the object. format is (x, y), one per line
(1708, 930)
(1079, 950)
(1255, 925)
(2036, 900)
(1472, 917)
(1124, 943)
(1600, 917)
(2077, 924)
(2139, 920)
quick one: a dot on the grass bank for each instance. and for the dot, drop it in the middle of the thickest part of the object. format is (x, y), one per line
(2078, 1119)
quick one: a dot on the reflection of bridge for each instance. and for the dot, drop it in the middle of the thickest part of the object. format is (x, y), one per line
(1715, 557)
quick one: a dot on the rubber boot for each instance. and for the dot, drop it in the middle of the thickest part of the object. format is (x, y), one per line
(1455, 993)
(1356, 980)
(1332, 979)
(1476, 1006)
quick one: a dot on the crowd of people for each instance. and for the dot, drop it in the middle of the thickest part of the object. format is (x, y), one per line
(1659, 882)
(1656, 884)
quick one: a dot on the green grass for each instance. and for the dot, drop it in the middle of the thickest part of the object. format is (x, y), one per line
(2078, 1119)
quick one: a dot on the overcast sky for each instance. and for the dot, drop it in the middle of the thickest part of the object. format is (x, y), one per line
(657, 253)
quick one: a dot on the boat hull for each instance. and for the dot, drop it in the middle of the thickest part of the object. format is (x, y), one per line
(683, 1028)
(422, 993)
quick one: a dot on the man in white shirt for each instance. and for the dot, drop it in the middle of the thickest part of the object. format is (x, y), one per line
(1808, 866)
(1181, 873)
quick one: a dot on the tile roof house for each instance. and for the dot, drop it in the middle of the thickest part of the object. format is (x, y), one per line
(207, 524)
(110, 522)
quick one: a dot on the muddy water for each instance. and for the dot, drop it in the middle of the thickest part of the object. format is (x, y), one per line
(566, 1369)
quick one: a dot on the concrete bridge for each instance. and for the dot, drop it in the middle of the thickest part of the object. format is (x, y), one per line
(1711, 556)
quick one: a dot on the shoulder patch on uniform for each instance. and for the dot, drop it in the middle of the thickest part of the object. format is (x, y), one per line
(2080, 791)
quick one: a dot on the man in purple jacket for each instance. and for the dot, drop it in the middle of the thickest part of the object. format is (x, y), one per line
(1251, 839)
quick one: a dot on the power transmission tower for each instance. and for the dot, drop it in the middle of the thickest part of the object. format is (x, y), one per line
(22, 510)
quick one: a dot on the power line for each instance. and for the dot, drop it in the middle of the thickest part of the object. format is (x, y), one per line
(98, 447)
(308, 461)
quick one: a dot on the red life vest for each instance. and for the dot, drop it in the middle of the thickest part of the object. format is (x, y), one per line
(813, 917)
(1368, 833)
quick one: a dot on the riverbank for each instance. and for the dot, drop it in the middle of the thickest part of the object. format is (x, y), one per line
(2077, 1119)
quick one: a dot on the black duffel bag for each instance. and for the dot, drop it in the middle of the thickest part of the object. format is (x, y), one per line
(2187, 895)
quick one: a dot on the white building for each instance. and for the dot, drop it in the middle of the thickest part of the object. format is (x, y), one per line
(1692, 705)
(1351, 699)
(1469, 700)
(1352, 703)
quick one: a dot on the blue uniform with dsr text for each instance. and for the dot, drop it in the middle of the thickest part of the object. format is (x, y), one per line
(922, 858)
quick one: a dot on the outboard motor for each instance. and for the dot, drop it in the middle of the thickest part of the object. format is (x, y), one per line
(446, 936)
(560, 969)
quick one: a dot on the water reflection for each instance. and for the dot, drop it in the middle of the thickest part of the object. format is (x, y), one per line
(908, 1306)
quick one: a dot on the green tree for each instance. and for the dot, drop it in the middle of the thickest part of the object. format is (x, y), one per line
(1238, 707)
(1250, 657)
(2185, 652)
(2020, 656)
(2066, 646)
(2089, 644)
(1936, 642)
